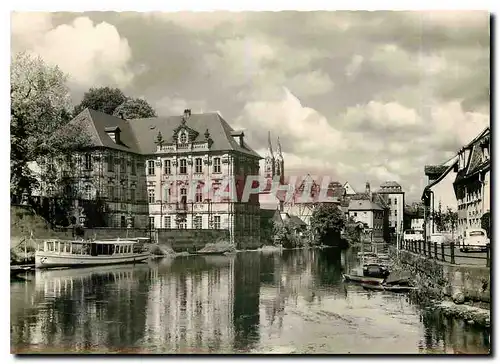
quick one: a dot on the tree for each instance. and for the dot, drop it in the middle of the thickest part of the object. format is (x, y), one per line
(450, 220)
(104, 99)
(353, 230)
(486, 224)
(135, 109)
(285, 234)
(40, 102)
(327, 222)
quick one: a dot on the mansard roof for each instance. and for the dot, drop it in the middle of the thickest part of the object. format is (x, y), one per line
(139, 135)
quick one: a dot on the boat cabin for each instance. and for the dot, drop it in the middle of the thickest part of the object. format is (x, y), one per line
(92, 248)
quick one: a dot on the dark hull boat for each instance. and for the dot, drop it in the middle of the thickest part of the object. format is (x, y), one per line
(382, 287)
(375, 270)
(362, 279)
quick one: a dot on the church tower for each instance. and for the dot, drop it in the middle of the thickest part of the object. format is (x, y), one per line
(279, 164)
(269, 163)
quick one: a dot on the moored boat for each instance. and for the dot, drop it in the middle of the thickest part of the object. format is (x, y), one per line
(81, 253)
(362, 279)
(376, 270)
(383, 287)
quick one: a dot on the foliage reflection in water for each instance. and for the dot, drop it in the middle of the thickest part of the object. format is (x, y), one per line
(293, 301)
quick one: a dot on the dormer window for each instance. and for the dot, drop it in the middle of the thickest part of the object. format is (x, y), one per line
(238, 137)
(183, 138)
(114, 133)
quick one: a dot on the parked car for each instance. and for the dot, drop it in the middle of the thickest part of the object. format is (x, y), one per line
(474, 240)
(438, 238)
(413, 235)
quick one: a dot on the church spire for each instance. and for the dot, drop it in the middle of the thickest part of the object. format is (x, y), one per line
(278, 151)
(269, 145)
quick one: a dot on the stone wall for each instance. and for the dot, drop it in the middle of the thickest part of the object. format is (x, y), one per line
(181, 240)
(472, 281)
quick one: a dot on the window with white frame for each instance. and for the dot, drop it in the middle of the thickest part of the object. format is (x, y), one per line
(151, 196)
(183, 138)
(199, 194)
(151, 221)
(183, 193)
(132, 195)
(167, 194)
(183, 166)
(151, 168)
(198, 166)
(168, 222)
(216, 222)
(111, 163)
(88, 192)
(133, 171)
(168, 167)
(217, 168)
(197, 222)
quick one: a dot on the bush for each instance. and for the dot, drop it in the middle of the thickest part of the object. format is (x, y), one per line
(327, 223)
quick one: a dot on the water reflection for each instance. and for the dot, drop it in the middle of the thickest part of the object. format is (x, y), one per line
(250, 302)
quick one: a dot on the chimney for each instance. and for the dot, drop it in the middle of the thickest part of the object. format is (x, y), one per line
(367, 190)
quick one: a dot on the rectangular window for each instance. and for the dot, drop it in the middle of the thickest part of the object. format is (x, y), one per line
(132, 195)
(389, 201)
(111, 192)
(217, 165)
(183, 166)
(395, 212)
(198, 165)
(151, 222)
(111, 163)
(151, 168)
(151, 196)
(123, 165)
(133, 171)
(216, 222)
(88, 161)
(88, 192)
(168, 222)
(167, 194)
(168, 167)
(123, 222)
(183, 195)
(395, 201)
(197, 222)
(355, 214)
(199, 194)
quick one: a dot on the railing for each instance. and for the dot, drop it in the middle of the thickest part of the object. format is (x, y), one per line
(446, 252)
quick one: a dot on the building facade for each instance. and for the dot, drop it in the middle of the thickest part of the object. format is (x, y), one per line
(438, 195)
(370, 214)
(177, 172)
(472, 183)
(395, 197)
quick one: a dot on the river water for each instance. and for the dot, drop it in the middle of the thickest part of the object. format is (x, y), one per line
(252, 302)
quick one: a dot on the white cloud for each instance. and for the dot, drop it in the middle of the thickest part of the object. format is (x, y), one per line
(310, 83)
(167, 106)
(353, 68)
(93, 55)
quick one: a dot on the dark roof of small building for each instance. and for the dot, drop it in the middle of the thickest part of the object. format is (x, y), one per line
(363, 205)
(139, 135)
(390, 184)
(434, 170)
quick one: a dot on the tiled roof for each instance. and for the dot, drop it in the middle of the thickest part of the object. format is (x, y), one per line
(96, 123)
(220, 131)
(390, 184)
(435, 170)
(363, 205)
(139, 135)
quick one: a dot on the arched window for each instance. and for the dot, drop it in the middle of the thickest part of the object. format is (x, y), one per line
(183, 138)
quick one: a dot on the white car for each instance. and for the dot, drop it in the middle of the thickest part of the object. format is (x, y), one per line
(413, 235)
(474, 240)
(440, 239)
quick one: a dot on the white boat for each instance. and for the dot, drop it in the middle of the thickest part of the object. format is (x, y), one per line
(81, 253)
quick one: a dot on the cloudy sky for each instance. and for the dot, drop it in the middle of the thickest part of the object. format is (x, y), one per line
(358, 96)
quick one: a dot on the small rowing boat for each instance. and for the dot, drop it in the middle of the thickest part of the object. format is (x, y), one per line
(362, 279)
(382, 287)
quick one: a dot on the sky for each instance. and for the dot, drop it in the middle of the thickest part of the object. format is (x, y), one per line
(358, 96)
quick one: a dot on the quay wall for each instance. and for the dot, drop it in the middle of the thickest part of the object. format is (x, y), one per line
(448, 279)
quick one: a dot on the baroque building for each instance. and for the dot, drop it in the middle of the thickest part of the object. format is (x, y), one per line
(176, 172)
